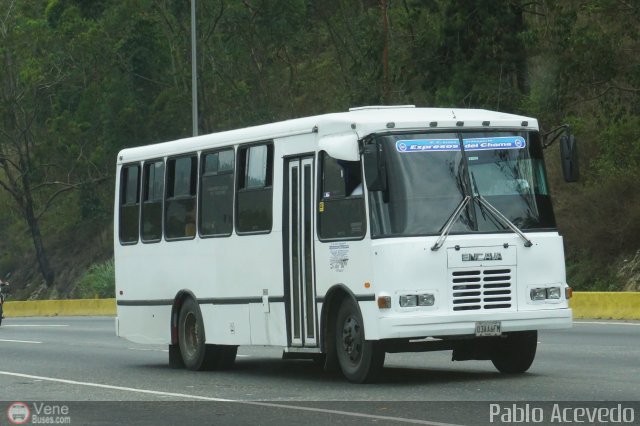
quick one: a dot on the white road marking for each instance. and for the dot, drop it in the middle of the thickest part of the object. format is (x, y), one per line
(606, 323)
(205, 398)
(148, 349)
(36, 325)
(19, 341)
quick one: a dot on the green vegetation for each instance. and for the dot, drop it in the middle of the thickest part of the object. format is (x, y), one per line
(98, 282)
(81, 80)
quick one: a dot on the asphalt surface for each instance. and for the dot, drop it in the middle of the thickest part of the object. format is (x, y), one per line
(79, 363)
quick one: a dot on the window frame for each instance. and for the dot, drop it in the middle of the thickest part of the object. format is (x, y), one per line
(162, 199)
(167, 199)
(240, 178)
(321, 155)
(122, 199)
(233, 173)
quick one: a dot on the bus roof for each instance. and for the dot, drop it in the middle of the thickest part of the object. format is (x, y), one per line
(362, 120)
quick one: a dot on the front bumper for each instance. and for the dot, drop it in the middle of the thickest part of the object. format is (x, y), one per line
(419, 326)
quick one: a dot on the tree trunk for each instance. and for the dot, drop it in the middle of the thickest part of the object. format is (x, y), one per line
(41, 254)
(34, 227)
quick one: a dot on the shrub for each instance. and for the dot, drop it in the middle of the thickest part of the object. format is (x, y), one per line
(98, 282)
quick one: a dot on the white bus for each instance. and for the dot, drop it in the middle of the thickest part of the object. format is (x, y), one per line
(342, 237)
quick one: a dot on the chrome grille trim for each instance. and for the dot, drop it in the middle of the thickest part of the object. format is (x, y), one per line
(482, 289)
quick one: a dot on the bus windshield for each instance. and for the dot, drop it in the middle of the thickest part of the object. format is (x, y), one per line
(429, 174)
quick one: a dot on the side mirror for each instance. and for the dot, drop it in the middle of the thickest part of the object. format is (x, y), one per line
(569, 158)
(375, 171)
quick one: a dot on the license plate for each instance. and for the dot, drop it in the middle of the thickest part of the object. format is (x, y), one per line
(488, 328)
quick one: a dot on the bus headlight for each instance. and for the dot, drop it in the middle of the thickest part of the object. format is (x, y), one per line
(545, 293)
(553, 293)
(538, 293)
(408, 300)
(426, 299)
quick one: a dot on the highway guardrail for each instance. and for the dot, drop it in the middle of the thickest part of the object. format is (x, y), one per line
(598, 305)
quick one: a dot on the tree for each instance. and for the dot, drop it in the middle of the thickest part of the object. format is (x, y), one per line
(35, 171)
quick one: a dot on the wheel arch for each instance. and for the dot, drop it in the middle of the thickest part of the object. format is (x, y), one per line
(178, 300)
(330, 305)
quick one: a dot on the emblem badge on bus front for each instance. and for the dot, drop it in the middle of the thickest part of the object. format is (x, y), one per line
(470, 257)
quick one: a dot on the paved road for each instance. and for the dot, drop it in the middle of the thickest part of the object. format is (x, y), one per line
(80, 359)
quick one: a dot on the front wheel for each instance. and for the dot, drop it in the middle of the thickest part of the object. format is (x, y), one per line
(360, 360)
(515, 353)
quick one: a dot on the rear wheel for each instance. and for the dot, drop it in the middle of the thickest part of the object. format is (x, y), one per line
(515, 353)
(191, 337)
(196, 354)
(360, 360)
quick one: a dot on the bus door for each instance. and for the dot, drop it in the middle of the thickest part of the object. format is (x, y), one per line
(299, 226)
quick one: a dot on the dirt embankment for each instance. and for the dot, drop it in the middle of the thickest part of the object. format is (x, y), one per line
(70, 258)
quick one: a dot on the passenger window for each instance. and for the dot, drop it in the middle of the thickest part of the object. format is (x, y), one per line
(152, 193)
(180, 206)
(341, 213)
(255, 189)
(216, 193)
(129, 204)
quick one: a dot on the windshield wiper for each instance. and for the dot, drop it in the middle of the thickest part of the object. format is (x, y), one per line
(447, 226)
(502, 218)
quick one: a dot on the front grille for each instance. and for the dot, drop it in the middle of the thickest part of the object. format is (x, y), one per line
(480, 289)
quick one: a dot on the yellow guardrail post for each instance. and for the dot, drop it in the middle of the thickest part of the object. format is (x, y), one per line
(68, 307)
(624, 305)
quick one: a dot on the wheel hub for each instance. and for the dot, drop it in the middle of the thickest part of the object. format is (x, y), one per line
(352, 338)
(192, 333)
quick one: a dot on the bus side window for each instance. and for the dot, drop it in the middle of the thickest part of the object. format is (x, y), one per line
(216, 193)
(180, 205)
(129, 204)
(341, 212)
(152, 192)
(255, 190)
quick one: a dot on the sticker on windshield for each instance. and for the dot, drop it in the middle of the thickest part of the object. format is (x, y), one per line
(470, 144)
(502, 142)
(422, 145)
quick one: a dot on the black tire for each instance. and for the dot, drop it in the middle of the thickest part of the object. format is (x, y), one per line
(515, 353)
(1, 314)
(196, 354)
(360, 360)
(191, 336)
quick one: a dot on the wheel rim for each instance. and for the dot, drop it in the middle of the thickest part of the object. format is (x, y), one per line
(191, 334)
(352, 339)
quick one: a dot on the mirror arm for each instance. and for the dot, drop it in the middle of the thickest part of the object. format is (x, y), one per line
(556, 134)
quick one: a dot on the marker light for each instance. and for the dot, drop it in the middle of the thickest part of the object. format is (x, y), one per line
(426, 299)
(538, 293)
(553, 293)
(568, 293)
(408, 300)
(384, 302)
